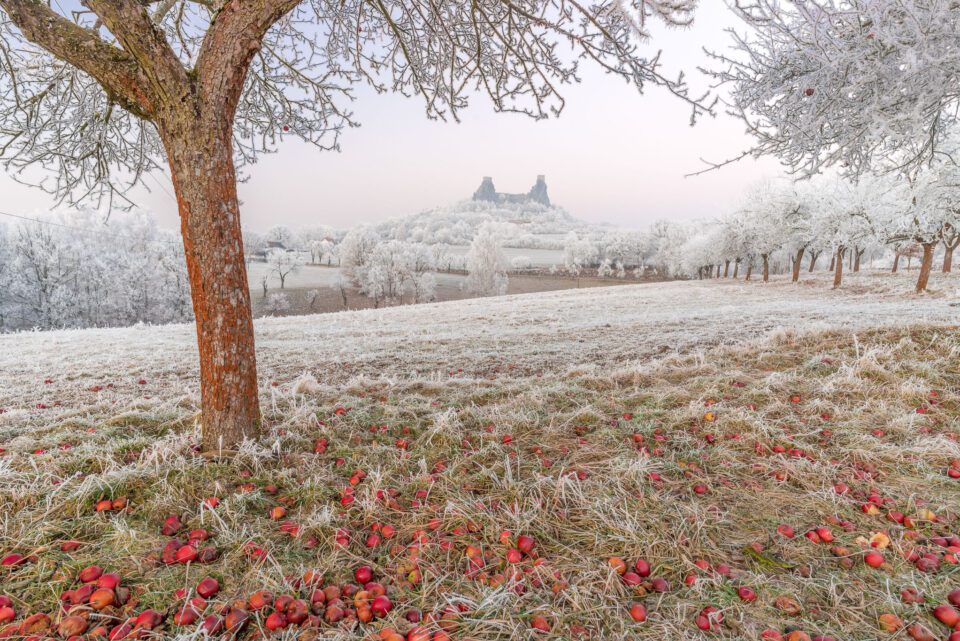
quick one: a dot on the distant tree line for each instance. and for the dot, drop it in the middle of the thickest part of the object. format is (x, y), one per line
(70, 270)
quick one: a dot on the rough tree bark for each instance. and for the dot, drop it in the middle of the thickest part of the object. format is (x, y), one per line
(766, 267)
(857, 254)
(749, 270)
(797, 263)
(814, 255)
(833, 261)
(838, 272)
(726, 268)
(213, 245)
(736, 268)
(896, 261)
(926, 266)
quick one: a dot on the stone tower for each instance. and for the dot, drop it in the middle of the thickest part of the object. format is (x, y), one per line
(538, 193)
(486, 191)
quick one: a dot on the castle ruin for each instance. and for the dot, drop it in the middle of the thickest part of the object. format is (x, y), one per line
(537, 194)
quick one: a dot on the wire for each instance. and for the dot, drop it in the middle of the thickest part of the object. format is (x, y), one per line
(85, 229)
(162, 186)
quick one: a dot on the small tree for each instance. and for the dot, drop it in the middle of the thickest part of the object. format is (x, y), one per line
(842, 221)
(918, 212)
(283, 263)
(486, 263)
(765, 211)
(578, 253)
(108, 93)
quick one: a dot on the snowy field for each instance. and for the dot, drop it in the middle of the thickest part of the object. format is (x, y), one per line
(552, 331)
(316, 276)
(538, 257)
(310, 276)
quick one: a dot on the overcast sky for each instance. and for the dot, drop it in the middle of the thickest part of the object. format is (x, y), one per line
(612, 156)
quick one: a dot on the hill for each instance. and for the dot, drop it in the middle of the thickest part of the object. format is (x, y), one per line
(525, 223)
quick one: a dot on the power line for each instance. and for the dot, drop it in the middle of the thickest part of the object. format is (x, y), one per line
(88, 230)
(162, 186)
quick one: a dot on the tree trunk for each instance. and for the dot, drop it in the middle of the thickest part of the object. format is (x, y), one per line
(813, 260)
(948, 257)
(857, 253)
(204, 180)
(926, 266)
(726, 268)
(766, 268)
(749, 270)
(736, 268)
(838, 273)
(797, 263)
(896, 262)
(833, 261)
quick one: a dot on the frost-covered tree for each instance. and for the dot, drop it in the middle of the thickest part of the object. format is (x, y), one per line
(283, 263)
(103, 93)
(280, 236)
(355, 250)
(668, 238)
(254, 244)
(521, 263)
(578, 254)
(918, 211)
(277, 304)
(843, 221)
(322, 251)
(314, 239)
(387, 270)
(701, 253)
(629, 247)
(606, 269)
(69, 269)
(765, 210)
(864, 84)
(486, 263)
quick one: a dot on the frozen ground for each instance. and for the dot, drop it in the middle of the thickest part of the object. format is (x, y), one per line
(512, 335)
(801, 485)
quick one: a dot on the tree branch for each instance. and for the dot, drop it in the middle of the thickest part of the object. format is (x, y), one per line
(136, 32)
(235, 35)
(114, 69)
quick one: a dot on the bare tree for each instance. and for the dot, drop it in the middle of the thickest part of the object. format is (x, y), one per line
(283, 263)
(103, 95)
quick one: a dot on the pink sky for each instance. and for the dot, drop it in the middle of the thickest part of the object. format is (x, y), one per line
(612, 156)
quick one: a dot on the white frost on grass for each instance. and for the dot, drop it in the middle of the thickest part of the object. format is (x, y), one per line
(511, 336)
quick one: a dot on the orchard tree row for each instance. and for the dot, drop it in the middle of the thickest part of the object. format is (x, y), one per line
(836, 219)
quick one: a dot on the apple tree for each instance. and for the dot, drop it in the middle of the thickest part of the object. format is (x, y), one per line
(863, 84)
